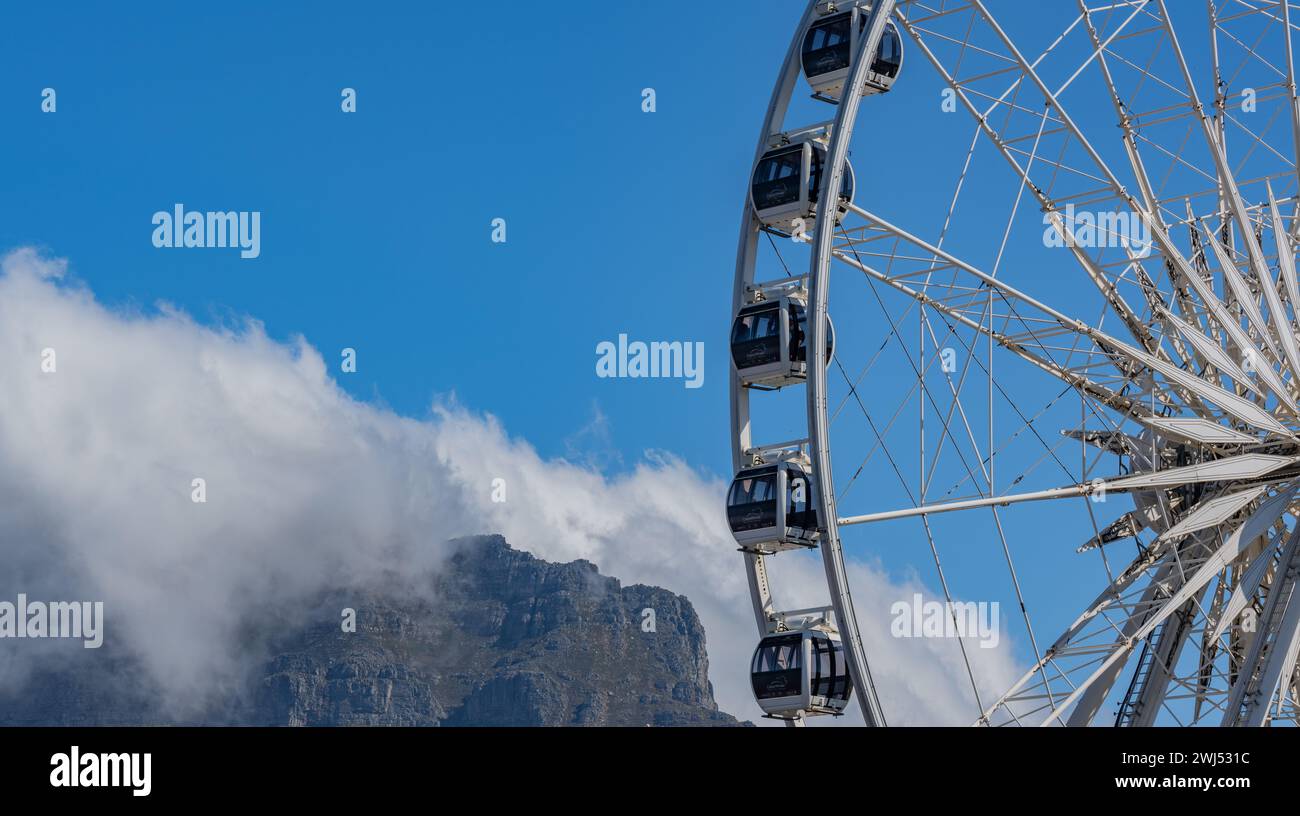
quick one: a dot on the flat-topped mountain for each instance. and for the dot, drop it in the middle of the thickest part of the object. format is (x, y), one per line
(501, 639)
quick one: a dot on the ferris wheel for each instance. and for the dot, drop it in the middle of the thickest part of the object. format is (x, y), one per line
(1067, 361)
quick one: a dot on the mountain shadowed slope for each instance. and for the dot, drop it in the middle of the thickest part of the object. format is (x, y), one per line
(501, 639)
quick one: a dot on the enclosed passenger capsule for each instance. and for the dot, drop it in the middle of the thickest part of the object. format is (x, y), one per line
(770, 508)
(769, 343)
(800, 674)
(787, 185)
(830, 44)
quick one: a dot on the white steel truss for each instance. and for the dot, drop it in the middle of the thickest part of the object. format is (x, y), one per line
(1187, 382)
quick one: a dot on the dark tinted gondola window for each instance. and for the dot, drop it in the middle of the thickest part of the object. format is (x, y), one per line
(777, 668)
(753, 490)
(826, 45)
(776, 181)
(751, 504)
(782, 655)
(889, 57)
(823, 667)
(757, 326)
(815, 176)
(843, 684)
(815, 172)
(798, 513)
(756, 338)
(798, 333)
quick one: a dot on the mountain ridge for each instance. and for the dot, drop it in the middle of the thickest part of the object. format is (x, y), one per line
(501, 638)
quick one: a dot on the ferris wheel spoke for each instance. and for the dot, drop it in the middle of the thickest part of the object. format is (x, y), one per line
(985, 472)
(880, 444)
(1247, 587)
(1265, 674)
(1224, 24)
(1209, 684)
(1159, 98)
(1063, 178)
(1084, 646)
(1188, 375)
(927, 399)
(1279, 325)
(1181, 388)
(1177, 581)
(1213, 354)
(1219, 311)
(1285, 99)
(1293, 98)
(1232, 197)
(1148, 691)
(1242, 468)
(1250, 539)
(1039, 356)
(1132, 146)
(1285, 259)
(1273, 357)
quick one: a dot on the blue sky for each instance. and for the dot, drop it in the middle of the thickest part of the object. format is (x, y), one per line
(375, 230)
(376, 225)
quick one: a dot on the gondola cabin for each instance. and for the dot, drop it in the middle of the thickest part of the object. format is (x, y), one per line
(787, 186)
(770, 508)
(831, 43)
(769, 343)
(800, 674)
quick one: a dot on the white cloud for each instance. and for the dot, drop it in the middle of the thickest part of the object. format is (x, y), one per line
(308, 487)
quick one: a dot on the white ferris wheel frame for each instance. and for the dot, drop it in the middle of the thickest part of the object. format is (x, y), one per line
(766, 616)
(1253, 512)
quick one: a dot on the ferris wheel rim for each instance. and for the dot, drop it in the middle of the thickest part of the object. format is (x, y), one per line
(1143, 355)
(816, 406)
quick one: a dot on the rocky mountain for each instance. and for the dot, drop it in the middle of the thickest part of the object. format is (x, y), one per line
(503, 639)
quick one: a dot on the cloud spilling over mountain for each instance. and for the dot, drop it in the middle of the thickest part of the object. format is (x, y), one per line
(308, 489)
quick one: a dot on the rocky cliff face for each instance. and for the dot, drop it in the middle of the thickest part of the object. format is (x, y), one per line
(507, 639)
